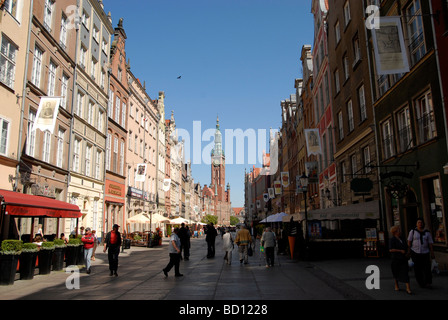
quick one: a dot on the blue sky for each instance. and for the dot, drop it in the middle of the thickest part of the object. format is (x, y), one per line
(237, 60)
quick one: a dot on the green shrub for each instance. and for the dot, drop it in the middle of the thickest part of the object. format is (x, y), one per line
(12, 247)
(74, 242)
(48, 245)
(59, 243)
(30, 247)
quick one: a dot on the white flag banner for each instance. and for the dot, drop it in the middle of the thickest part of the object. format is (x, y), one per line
(47, 114)
(271, 193)
(141, 172)
(389, 47)
(313, 141)
(166, 184)
(266, 197)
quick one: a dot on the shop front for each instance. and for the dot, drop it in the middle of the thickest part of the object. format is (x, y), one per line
(342, 231)
(115, 200)
(15, 205)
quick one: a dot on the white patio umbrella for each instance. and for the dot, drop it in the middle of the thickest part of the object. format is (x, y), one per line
(139, 218)
(179, 221)
(158, 218)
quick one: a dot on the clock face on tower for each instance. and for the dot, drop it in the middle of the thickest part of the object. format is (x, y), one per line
(216, 161)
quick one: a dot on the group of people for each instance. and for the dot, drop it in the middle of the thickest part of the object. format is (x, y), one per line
(180, 241)
(419, 247)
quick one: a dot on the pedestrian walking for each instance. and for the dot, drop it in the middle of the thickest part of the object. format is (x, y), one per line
(421, 243)
(210, 238)
(112, 243)
(184, 242)
(88, 240)
(399, 265)
(95, 244)
(268, 241)
(227, 245)
(243, 240)
(174, 251)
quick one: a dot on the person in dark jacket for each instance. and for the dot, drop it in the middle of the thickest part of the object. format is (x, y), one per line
(399, 265)
(184, 242)
(210, 237)
(113, 244)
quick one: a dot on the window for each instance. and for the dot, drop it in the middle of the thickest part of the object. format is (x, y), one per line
(90, 113)
(93, 64)
(366, 157)
(117, 109)
(79, 105)
(351, 123)
(346, 67)
(8, 62)
(343, 172)
(60, 150)
(108, 150)
(103, 79)
(122, 157)
(337, 32)
(96, 34)
(88, 160)
(337, 85)
(48, 14)
(356, 50)
(340, 126)
(52, 69)
(11, 7)
(46, 146)
(98, 165)
(362, 103)
(115, 155)
(64, 91)
(123, 114)
(353, 165)
(76, 154)
(31, 139)
(425, 117)
(83, 57)
(120, 74)
(347, 16)
(63, 35)
(416, 37)
(4, 137)
(37, 66)
(100, 121)
(388, 139)
(404, 130)
(110, 104)
(85, 19)
(104, 46)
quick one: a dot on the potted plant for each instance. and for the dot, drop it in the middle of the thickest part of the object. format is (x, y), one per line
(81, 259)
(71, 252)
(58, 254)
(27, 261)
(9, 258)
(45, 256)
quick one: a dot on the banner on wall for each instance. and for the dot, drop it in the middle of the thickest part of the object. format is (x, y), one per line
(47, 114)
(141, 172)
(312, 141)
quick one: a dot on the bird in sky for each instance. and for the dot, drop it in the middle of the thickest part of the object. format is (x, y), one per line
(179, 77)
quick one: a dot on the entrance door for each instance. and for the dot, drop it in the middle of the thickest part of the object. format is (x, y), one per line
(410, 212)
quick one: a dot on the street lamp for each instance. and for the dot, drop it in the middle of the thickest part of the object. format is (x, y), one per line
(304, 182)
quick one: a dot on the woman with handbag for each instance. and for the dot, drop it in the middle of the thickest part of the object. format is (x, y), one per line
(398, 249)
(244, 241)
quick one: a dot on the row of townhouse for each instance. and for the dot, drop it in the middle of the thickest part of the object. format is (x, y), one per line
(381, 156)
(107, 152)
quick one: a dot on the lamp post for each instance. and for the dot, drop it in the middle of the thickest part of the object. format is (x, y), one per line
(304, 182)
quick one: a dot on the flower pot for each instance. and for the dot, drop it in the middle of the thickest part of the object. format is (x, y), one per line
(45, 261)
(71, 255)
(27, 265)
(81, 260)
(58, 259)
(8, 268)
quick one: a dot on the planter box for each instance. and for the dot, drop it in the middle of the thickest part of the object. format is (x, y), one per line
(27, 265)
(71, 256)
(8, 268)
(58, 259)
(45, 261)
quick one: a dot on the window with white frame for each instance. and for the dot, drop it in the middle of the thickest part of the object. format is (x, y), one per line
(31, 139)
(85, 19)
(337, 32)
(93, 64)
(60, 148)
(115, 156)
(48, 14)
(404, 129)
(11, 7)
(96, 34)
(52, 69)
(362, 103)
(64, 90)
(82, 57)
(122, 157)
(353, 165)
(4, 138)
(64, 31)
(98, 165)
(91, 113)
(117, 109)
(388, 139)
(110, 104)
(108, 150)
(337, 84)
(343, 172)
(416, 36)
(351, 121)
(79, 104)
(123, 114)
(37, 66)
(76, 154)
(95, 215)
(88, 160)
(356, 50)
(346, 63)
(46, 148)
(424, 111)
(100, 121)
(8, 62)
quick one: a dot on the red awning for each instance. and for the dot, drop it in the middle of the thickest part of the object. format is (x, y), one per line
(25, 205)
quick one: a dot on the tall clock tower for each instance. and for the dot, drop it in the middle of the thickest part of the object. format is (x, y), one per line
(218, 166)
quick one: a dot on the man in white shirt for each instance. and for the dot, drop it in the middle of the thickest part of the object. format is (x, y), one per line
(174, 251)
